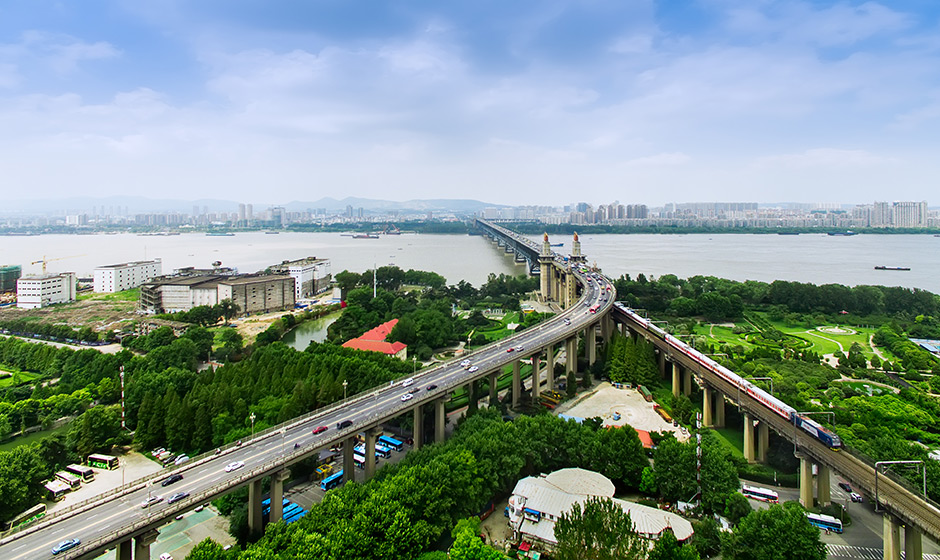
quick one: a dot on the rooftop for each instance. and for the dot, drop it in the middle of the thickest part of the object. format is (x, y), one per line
(233, 280)
(132, 263)
(374, 340)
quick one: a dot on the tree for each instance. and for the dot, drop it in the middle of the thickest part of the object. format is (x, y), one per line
(667, 547)
(468, 545)
(737, 507)
(648, 481)
(707, 537)
(779, 533)
(601, 530)
(208, 549)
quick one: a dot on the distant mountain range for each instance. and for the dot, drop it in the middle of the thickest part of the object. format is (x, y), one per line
(139, 205)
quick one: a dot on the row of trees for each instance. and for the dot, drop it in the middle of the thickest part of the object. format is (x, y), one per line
(630, 361)
(50, 331)
(205, 315)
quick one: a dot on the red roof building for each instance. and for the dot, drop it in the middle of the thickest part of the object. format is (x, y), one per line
(374, 341)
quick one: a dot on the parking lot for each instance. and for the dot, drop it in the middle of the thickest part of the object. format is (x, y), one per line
(606, 401)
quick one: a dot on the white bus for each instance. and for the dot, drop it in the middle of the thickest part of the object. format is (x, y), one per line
(759, 493)
(827, 522)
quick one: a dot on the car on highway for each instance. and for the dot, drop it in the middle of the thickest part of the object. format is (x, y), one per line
(166, 556)
(856, 497)
(415, 390)
(468, 366)
(151, 500)
(431, 387)
(407, 397)
(66, 545)
(319, 430)
(177, 497)
(845, 486)
(171, 479)
(465, 363)
(234, 466)
(510, 349)
(520, 348)
(343, 424)
(407, 382)
(473, 369)
(567, 321)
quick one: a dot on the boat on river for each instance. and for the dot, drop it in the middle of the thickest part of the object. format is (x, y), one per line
(882, 267)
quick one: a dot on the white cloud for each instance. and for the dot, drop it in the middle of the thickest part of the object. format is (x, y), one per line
(664, 159)
(826, 157)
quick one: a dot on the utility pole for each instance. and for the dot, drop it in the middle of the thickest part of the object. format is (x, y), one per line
(698, 453)
(123, 419)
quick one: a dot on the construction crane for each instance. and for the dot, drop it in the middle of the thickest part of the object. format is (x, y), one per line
(45, 260)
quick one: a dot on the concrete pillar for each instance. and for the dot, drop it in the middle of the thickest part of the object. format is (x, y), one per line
(439, 420)
(606, 327)
(142, 544)
(550, 368)
(763, 443)
(590, 343)
(892, 539)
(572, 354)
(676, 379)
(806, 482)
(686, 382)
(707, 407)
(349, 465)
(536, 377)
(749, 440)
(124, 550)
(913, 544)
(823, 493)
(719, 410)
(370, 435)
(277, 495)
(255, 525)
(494, 385)
(545, 289)
(418, 432)
(516, 383)
(472, 404)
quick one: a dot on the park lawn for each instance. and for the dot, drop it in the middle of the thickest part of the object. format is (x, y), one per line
(18, 377)
(864, 387)
(718, 335)
(732, 438)
(31, 438)
(498, 332)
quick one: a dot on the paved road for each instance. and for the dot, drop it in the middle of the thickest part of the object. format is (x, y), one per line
(206, 478)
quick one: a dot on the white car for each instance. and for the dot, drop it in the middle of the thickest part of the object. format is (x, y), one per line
(181, 459)
(473, 369)
(408, 382)
(234, 466)
(406, 397)
(150, 501)
(166, 556)
(465, 363)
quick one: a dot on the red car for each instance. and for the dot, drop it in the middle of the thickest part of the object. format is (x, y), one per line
(319, 430)
(510, 349)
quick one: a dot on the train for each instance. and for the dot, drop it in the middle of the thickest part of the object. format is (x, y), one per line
(772, 403)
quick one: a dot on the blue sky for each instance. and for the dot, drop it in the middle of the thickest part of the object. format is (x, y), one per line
(522, 102)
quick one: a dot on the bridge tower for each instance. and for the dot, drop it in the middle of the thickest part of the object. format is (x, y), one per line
(545, 268)
(576, 256)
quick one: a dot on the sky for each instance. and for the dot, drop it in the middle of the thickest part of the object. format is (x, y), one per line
(542, 102)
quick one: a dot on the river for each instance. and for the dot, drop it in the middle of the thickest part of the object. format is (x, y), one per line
(815, 258)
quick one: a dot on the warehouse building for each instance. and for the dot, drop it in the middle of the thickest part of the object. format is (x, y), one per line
(311, 275)
(33, 292)
(119, 277)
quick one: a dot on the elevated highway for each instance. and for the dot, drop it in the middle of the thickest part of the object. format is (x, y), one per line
(902, 505)
(118, 520)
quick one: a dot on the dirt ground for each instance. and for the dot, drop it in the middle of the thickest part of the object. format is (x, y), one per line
(99, 314)
(605, 400)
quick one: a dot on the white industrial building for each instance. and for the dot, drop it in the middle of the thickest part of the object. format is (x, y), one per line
(124, 276)
(311, 275)
(33, 292)
(537, 502)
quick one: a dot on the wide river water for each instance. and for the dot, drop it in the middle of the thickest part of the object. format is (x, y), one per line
(815, 258)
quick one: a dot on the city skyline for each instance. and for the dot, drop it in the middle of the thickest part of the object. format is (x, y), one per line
(529, 104)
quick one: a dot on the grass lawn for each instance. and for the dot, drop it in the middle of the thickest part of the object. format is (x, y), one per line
(863, 387)
(33, 437)
(127, 295)
(733, 439)
(17, 377)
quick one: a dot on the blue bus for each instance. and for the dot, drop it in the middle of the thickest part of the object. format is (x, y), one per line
(331, 481)
(290, 510)
(295, 516)
(392, 442)
(825, 522)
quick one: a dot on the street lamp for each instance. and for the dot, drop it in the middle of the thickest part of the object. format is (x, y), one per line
(252, 418)
(344, 389)
(414, 364)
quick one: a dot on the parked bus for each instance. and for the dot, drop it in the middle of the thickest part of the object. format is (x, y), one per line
(85, 473)
(359, 460)
(105, 462)
(295, 516)
(73, 481)
(380, 450)
(827, 522)
(56, 489)
(331, 481)
(392, 442)
(32, 514)
(758, 493)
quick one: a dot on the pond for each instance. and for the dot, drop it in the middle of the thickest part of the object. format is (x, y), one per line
(313, 330)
